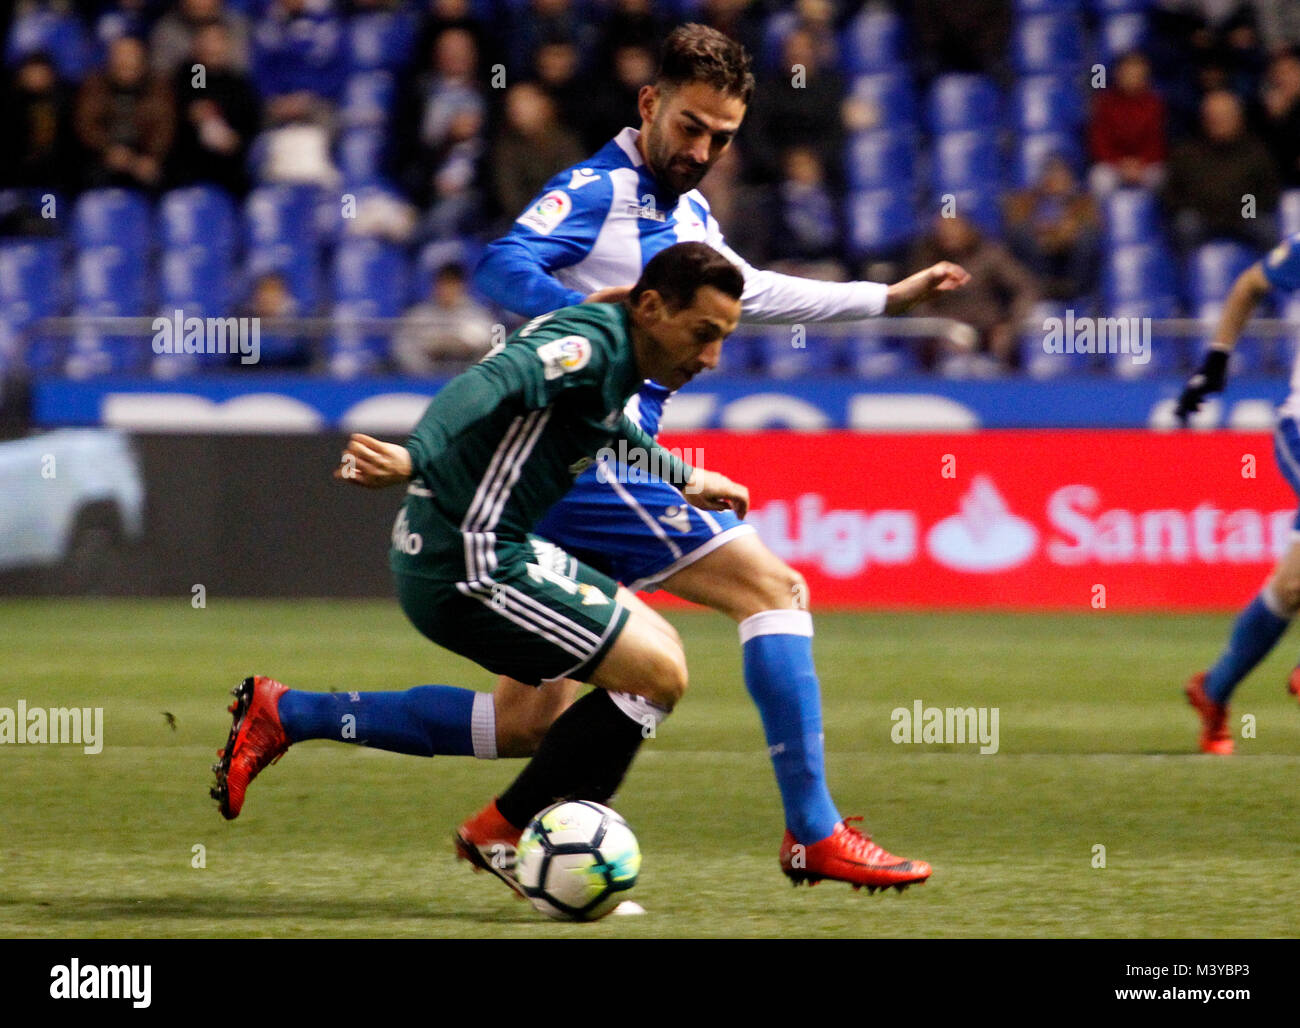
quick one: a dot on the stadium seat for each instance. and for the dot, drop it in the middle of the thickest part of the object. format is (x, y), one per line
(890, 96)
(113, 217)
(361, 157)
(963, 102)
(1289, 212)
(280, 213)
(438, 254)
(982, 204)
(380, 39)
(1142, 271)
(1131, 215)
(31, 278)
(1121, 6)
(965, 160)
(1121, 33)
(880, 220)
(881, 159)
(872, 41)
(298, 263)
(1212, 269)
(195, 279)
(367, 99)
(111, 280)
(1034, 150)
(1047, 44)
(779, 357)
(369, 281)
(1167, 355)
(1046, 103)
(57, 33)
(1035, 359)
(198, 216)
(873, 356)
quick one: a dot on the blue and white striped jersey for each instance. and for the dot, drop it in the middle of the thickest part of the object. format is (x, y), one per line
(596, 225)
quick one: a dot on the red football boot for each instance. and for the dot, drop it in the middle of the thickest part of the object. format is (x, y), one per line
(488, 841)
(847, 855)
(256, 739)
(1215, 737)
(1293, 683)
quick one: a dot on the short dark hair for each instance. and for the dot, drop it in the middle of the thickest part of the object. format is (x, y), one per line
(678, 271)
(697, 53)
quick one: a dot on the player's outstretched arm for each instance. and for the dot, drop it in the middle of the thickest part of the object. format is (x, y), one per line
(374, 464)
(937, 278)
(1212, 375)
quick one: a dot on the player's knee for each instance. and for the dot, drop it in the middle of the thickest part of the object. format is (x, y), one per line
(777, 586)
(1285, 588)
(666, 678)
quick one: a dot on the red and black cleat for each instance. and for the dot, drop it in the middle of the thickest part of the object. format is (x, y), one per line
(847, 855)
(256, 740)
(490, 842)
(1215, 737)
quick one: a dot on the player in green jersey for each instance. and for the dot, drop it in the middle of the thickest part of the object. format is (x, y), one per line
(494, 450)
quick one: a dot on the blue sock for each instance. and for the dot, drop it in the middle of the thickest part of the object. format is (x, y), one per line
(425, 721)
(1257, 631)
(779, 674)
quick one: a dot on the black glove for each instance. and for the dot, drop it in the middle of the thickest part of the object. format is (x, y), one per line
(1210, 377)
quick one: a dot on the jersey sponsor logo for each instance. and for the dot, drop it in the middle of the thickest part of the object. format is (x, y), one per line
(591, 596)
(581, 177)
(547, 213)
(677, 517)
(404, 540)
(564, 355)
(646, 210)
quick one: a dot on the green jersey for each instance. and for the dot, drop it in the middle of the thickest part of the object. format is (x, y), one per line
(502, 442)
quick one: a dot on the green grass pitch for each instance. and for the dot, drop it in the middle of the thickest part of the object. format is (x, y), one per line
(1097, 748)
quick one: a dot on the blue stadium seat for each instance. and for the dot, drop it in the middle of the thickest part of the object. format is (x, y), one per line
(198, 216)
(872, 41)
(111, 280)
(1131, 215)
(1047, 103)
(117, 217)
(361, 156)
(1036, 361)
(982, 204)
(370, 281)
(1121, 6)
(367, 98)
(880, 159)
(965, 160)
(380, 39)
(879, 220)
(1047, 44)
(778, 357)
(197, 280)
(1168, 354)
(1212, 269)
(872, 356)
(57, 33)
(1034, 150)
(433, 256)
(963, 102)
(31, 278)
(1289, 212)
(1142, 271)
(280, 213)
(1120, 33)
(298, 263)
(890, 95)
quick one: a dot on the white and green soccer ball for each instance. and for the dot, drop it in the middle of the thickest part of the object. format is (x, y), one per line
(577, 861)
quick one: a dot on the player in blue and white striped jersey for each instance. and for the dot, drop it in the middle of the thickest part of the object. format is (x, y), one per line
(1265, 619)
(587, 236)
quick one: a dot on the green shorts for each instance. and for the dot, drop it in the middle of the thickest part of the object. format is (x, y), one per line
(536, 620)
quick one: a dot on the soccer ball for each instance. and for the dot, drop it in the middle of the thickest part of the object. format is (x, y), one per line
(577, 860)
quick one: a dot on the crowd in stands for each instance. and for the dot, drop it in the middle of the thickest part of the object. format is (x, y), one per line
(1111, 156)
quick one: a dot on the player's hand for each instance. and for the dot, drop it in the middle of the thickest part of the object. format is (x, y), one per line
(709, 490)
(610, 294)
(1210, 377)
(373, 464)
(945, 277)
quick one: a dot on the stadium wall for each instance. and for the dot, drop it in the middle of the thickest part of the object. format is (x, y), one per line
(1045, 519)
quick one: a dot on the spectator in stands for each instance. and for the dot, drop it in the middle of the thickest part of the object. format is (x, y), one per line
(1279, 25)
(438, 134)
(1223, 184)
(172, 39)
(1219, 38)
(733, 201)
(123, 18)
(270, 301)
(39, 142)
(1000, 296)
(1278, 116)
(1126, 133)
(545, 21)
(798, 106)
(299, 61)
(531, 147)
(742, 20)
(613, 106)
(125, 120)
(217, 114)
(970, 36)
(557, 70)
(449, 328)
(806, 240)
(1054, 229)
(632, 23)
(440, 15)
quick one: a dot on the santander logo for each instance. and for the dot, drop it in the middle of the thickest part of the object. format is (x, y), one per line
(984, 535)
